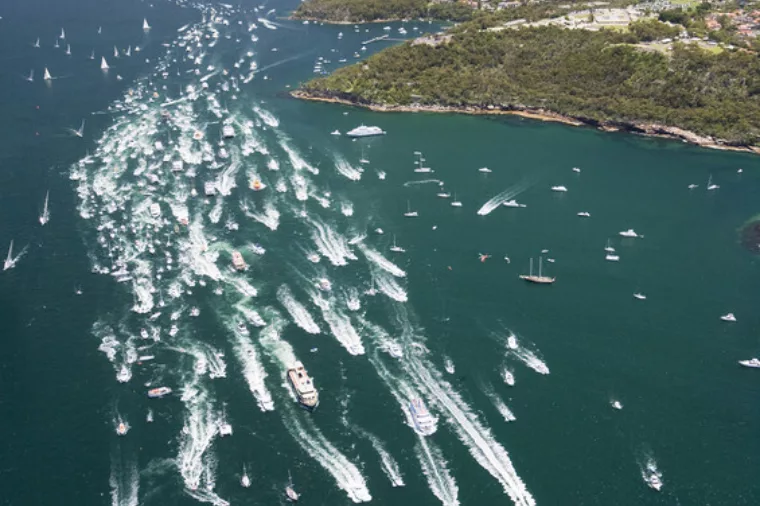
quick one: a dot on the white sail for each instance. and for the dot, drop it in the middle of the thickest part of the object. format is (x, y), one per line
(9, 260)
(30, 77)
(92, 55)
(103, 63)
(37, 42)
(48, 77)
(45, 216)
(63, 34)
(115, 52)
(146, 26)
(129, 51)
(68, 49)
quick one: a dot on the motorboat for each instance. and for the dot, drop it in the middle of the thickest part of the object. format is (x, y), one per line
(576, 169)
(629, 233)
(692, 186)
(443, 195)
(448, 365)
(423, 422)
(485, 169)
(616, 404)
(122, 429)
(209, 188)
(303, 386)
(314, 257)
(256, 320)
(612, 258)
(729, 317)
(245, 481)
(639, 296)
(242, 328)
(178, 166)
(512, 203)
(512, 342)
(257, 185)
(584, 214)
(395, 350)
(238, 262)
(324, 285)
(155, 210)
(228, 132)
(508, 377)
(654, 481)
(258, 249)
(157, 393)
(335, 132)
(753, 362)
(559, 189)
(365, 131)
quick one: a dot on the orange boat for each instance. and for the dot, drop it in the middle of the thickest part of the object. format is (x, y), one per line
(257, 185)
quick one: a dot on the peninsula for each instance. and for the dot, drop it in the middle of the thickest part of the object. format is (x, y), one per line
(369, 11)
(650, 77)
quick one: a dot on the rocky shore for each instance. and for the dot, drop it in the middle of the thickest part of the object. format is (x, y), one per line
(642, 128)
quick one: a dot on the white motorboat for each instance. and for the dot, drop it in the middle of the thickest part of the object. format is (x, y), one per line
(729, 317)
(365, 131)
(512, 203)
(258, 249)
(639, 296)
(616, 404)
(149, 416)
(255, 318)
(753, 362)
(443, 195)
(508, 377)
(448, 365)
(629, 233)
(313, 257)
(228, 131)
(512, 342)
(245, 481)
(576, 169)
(584, 214)
(395, 350)
(209, 188)
(692, 186)
(423, 422)
(324, 285)
(559, 188)
(157, 393)
(485, 169)
(122, 429)
(612, 258)
(654, 481)
(335, 132)
(225, 429)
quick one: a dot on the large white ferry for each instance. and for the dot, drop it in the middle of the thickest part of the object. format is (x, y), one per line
(303, 386)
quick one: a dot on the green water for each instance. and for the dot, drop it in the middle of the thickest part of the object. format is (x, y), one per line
(669, 359)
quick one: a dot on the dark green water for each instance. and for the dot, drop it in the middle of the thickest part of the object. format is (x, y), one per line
(668, 359)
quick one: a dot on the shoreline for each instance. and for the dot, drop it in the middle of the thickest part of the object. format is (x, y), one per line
(641, 128)
(331, 22)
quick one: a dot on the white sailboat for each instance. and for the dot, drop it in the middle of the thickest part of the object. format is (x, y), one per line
(146, 26)
(36, 43)
(47, 75)
(45, 216)
(129, 51)
(290, 492)
(395, 248)
(409, 213)
(711, 185)
(9, 262)
(115, 52)
(92, 55)
(100, 30)
(104, 63)
(63, 34)
(30, 77)
(609, 248)
(68, 49)
(57, 44)
(79, 132)
(456, 203)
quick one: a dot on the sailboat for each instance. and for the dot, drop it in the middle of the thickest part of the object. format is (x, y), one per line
(47, 75)
(711, 185)
(290, 492)
(63, 34)
(92, 55)
(129, 51)
(115, 52)
(100, 30)
(395, 248)
(30, 77)
(419, 165)
(45, 216)
(363, 160)
(456, 203)
(9, 262)
(56, 45)
(68, 49)
(609, 248)
(36, 43)
(103, 63)
(146, 26)
(79, 132)
(409, 213)
(372, 290)
(540, 279)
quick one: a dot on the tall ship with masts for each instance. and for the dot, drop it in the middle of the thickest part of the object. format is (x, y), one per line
(540, 279)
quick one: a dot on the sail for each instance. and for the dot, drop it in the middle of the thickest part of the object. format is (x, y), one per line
(115, 52)
(146, 26)
(103, 63)
(48, 77)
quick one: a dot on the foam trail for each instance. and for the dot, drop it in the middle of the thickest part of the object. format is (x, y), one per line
(441, 483)
(382, 262)
(254, 372)
(297, 311)
(124, 480)
(387, 462)
(344, 169)
(342, 329)
(331, 244)
(266, 116)
(389, 286)
(345, 473)
(502, 197)
(499, 404)
(296, 160)
(531, 360)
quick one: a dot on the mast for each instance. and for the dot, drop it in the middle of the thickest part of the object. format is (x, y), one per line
(531, 266)
(540, 262)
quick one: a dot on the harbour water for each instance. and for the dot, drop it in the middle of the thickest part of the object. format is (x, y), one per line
(71, 368)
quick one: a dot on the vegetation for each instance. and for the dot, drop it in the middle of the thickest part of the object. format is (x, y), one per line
(594, 76)
(647, 30)
(355, 11)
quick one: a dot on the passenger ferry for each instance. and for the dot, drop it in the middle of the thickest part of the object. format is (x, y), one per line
(423, 422)
(303, 386)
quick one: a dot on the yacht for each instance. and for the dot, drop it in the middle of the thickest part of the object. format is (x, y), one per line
(639, 296)
(290, 492)
(155, 210)
(584, 214)
(541, 280)
(178, 166)
(228, 132)
(512, 203)
(225, 429)
(629, 233)
(729, 317)
(365, 131)
(753, 362)
(303, 386)
(238, 262)
(508, 377)
(423, 422)
(559, 189)
(209, 188)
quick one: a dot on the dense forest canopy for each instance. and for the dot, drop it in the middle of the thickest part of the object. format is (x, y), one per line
(598, 76)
